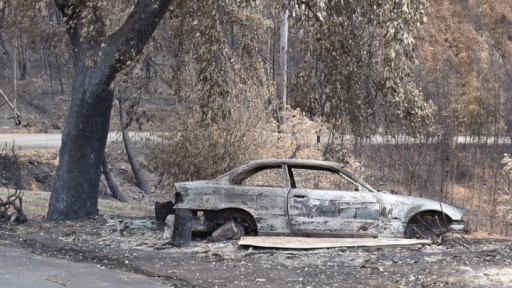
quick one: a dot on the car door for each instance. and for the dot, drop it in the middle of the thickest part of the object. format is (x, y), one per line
(263, 191)
(322, 202)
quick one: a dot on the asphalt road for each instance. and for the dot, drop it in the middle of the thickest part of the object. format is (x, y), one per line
(31, 141)
(39, 141)
(19, 268)
(53, 141)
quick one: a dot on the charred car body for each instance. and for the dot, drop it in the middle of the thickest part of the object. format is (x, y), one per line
(310, 198)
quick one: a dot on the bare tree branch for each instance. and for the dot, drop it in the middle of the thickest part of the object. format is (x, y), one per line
(16, 113)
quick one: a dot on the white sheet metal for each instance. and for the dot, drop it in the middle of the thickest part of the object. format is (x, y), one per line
(316, 243)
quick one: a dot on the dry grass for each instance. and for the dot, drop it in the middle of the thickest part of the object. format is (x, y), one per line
(35, 205)
(50, 155)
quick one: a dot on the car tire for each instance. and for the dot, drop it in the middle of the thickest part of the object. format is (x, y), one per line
(430, 235)
(241, 231)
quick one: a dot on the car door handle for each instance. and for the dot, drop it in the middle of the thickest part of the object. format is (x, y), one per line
(300, 196)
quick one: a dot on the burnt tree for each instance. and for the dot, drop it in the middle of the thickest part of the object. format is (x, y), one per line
(112, 185)
(98, 58)
(142, 182)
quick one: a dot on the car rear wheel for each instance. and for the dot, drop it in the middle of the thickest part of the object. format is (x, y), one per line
(241, 231)
(430, 235)
(420, 231)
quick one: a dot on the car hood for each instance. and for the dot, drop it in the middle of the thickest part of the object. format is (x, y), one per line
(404, 207)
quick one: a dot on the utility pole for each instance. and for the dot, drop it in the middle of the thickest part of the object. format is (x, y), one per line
(281, 82)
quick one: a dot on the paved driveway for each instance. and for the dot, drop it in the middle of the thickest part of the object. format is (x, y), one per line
(19, 268)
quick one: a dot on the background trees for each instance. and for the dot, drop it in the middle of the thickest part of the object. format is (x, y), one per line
(36, 69)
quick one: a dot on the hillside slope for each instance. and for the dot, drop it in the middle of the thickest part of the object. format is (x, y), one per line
(465, 61)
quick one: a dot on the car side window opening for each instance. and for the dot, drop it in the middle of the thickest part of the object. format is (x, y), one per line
(271, 177)
(321, 180)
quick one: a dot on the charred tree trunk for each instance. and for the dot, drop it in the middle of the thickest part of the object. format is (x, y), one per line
(75, 189)
(112, 185)
(142, 183)
(97, 59)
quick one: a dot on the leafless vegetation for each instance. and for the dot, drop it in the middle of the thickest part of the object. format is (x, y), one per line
(11, 208)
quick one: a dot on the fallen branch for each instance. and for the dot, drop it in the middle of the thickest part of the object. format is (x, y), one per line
(17, 115)
(15, 201)
(55, 281)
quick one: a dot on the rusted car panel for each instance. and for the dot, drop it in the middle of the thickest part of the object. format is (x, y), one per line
(294, 198)
(266, 204)
(333, 212)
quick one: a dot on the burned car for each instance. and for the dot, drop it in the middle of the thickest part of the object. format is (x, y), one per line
(293, 197)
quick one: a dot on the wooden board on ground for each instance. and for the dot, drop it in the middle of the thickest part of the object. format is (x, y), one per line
(317, 243)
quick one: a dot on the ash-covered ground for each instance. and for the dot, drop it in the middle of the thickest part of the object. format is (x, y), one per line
(139, 248)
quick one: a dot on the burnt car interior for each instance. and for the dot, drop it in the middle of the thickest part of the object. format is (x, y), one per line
(268, 176)
(302, 177)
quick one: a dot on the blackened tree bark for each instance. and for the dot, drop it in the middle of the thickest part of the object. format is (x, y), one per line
(97, 59)
(112, 185)
(142, 183)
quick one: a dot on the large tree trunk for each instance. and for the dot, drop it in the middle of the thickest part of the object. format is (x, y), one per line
(75, 190)
(97, 60)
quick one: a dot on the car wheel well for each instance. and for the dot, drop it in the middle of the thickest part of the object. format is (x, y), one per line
(238, 215)
(425, 221)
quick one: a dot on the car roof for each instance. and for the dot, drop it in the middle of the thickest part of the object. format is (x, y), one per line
(302, 163)
(293, 162)
(279, 162)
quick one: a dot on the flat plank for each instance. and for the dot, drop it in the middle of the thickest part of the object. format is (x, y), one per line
(318, 243)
